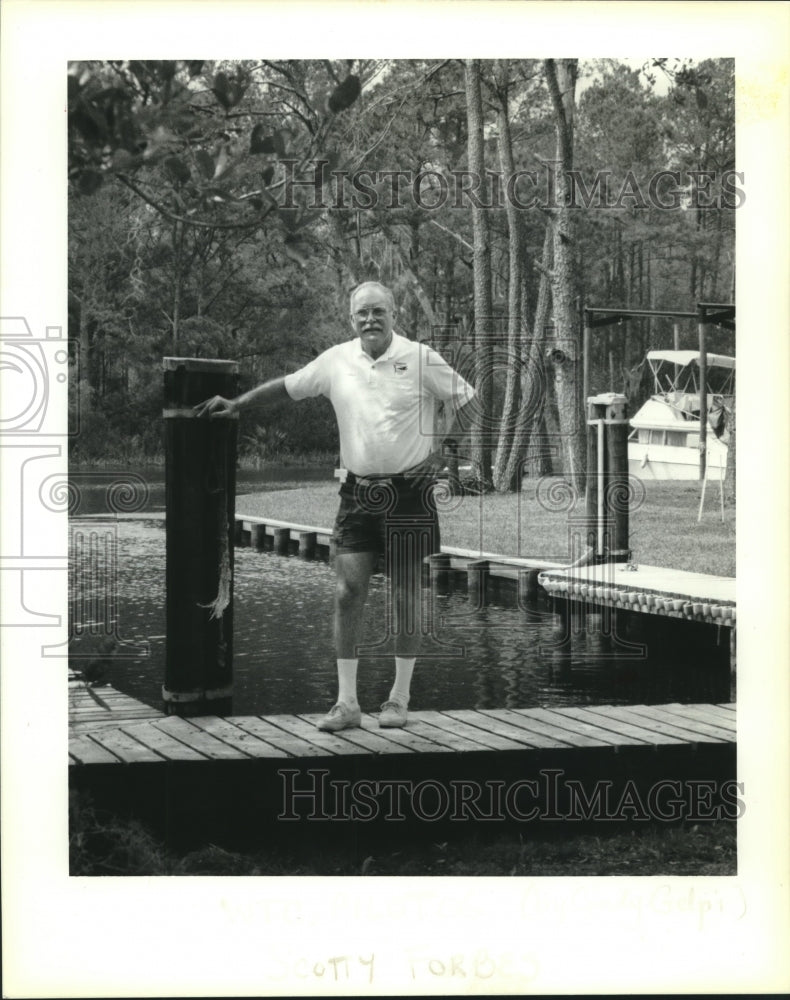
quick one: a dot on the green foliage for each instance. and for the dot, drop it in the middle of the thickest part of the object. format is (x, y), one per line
(645, 256)
(184, 135)
(182, 240)
(281, 436)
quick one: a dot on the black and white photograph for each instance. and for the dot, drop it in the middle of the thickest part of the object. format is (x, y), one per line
(394, 498)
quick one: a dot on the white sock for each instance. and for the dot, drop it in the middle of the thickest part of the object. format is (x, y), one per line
(347, 681)
(404, 667)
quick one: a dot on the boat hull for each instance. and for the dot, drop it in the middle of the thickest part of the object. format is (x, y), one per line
(652, 461)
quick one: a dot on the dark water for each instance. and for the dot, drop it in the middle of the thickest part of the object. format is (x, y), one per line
(121, 490)
(494, 657)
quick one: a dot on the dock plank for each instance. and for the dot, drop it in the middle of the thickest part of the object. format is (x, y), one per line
(127, 748)
(84, 750)
(170, 748)
(332, 743)
(481, 734)
(726, 712)
(452, 741)
(196, 738)
(364, 737)
(105, 692)
(80, 694)
(406, 737)
(247, 743)
(88, 715)
(562, 737)
(94, 725)
(493, 723)
(283, 744)
(704, 713)
(610, 719)
(657, 724)
(694, 726)
(583, 727)
(113, 707)
(538, 740)
(81, 702)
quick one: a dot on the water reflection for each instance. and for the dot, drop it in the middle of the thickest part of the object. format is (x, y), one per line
(107, 490)
(283, 644)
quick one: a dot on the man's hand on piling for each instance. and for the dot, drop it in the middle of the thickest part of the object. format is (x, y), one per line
(217, 406)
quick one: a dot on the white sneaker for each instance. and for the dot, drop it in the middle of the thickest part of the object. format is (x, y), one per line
(340, 716)
(393, 714)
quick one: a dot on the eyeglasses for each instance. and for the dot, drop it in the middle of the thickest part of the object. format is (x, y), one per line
(377, 312)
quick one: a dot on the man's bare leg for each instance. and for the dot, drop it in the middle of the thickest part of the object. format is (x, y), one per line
(353, 572)
(406, 597)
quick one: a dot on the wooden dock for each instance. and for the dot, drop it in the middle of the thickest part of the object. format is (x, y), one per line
(652, 590)
(226, 775)
(123, 730)
(648, 590)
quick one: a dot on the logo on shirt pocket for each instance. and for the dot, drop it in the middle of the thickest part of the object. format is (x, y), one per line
(400, 368)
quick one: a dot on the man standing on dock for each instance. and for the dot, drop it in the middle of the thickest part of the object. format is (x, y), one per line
(385, 390)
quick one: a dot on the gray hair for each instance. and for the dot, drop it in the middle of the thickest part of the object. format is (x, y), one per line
(372, 284)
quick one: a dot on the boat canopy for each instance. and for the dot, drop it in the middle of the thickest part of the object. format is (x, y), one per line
(684, 358)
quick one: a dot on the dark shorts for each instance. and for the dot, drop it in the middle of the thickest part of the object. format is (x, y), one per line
(394, 518)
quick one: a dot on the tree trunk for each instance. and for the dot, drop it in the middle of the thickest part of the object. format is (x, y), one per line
(178, 248)
(481, 263)
(449, 276)
(536, 400)
(506, 473)
(566, 354)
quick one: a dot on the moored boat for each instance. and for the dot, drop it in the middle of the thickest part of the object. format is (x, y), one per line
(665, 440)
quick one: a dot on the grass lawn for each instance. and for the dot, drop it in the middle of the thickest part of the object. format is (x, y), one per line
(103, 844)
(663, 524)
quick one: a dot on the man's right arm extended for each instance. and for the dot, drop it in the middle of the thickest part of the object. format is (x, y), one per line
(266, 394)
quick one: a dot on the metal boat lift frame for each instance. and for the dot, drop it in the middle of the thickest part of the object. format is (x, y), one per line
(718, 313)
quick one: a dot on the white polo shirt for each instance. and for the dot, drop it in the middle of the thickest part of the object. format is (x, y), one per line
(386, 409)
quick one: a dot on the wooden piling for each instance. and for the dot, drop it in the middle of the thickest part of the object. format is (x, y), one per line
(618, 493)
(528, 587)
(596, 639)
(477, 573)
(308, 541)
(595, 475)
(561, 631)
(200, 488)
(439, 571)
(259, 537)
(282, 537)
(607, 492)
